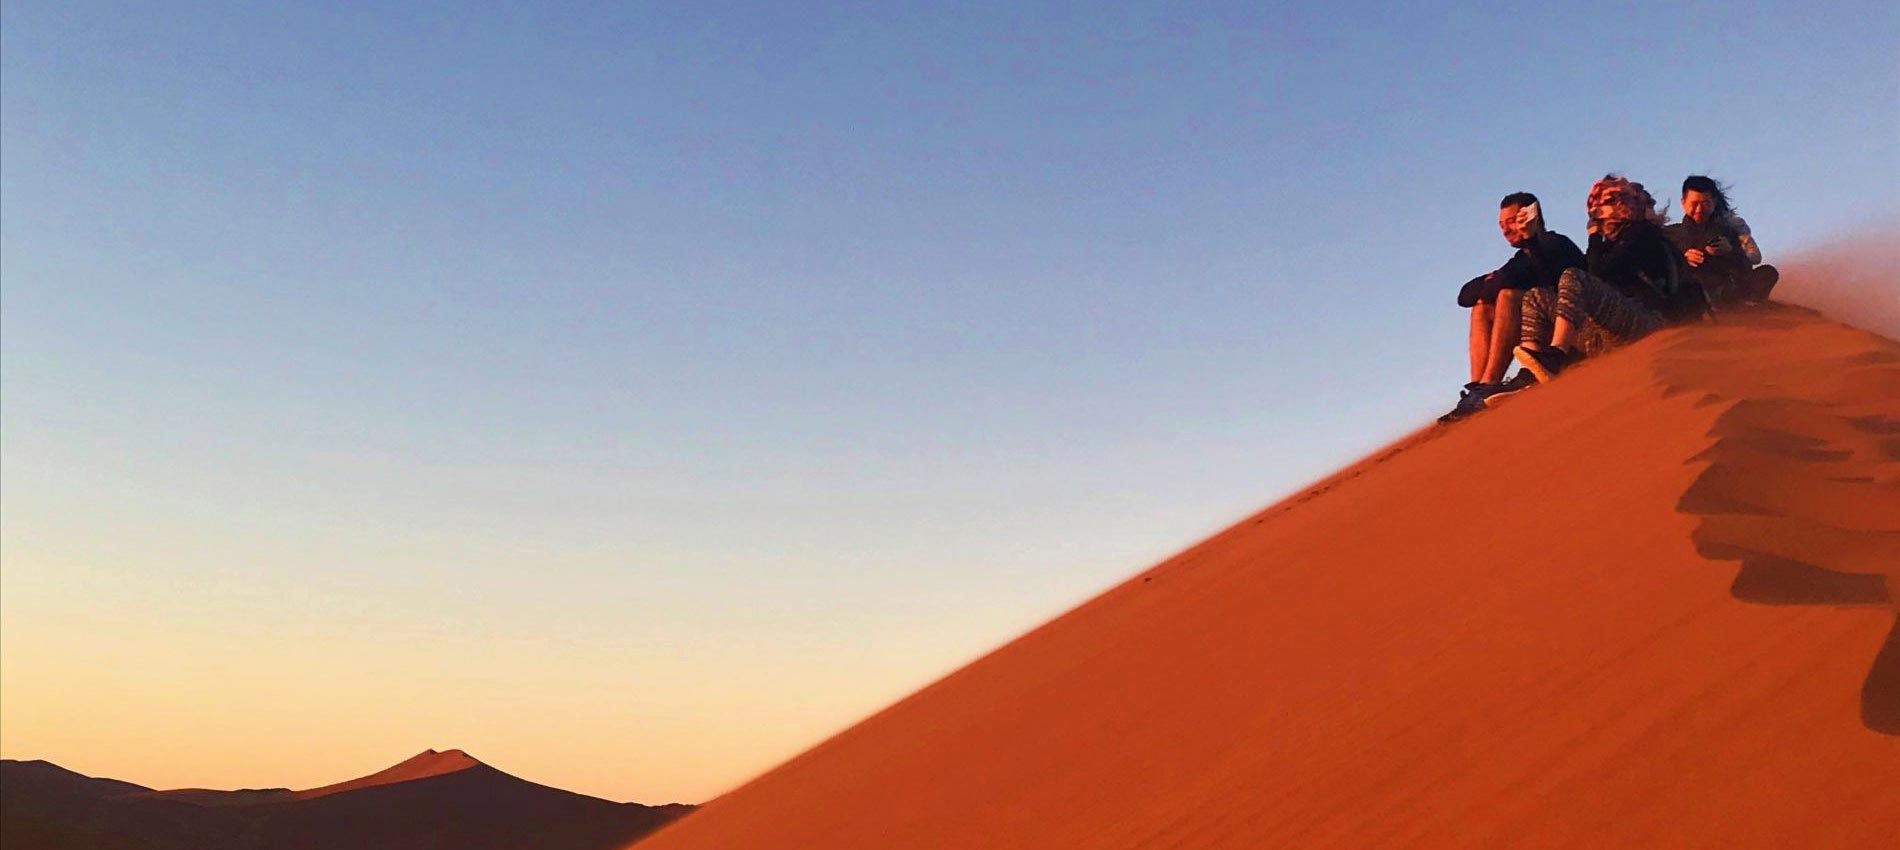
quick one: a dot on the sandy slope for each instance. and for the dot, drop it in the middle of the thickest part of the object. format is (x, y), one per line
(1532, 629)
(420, 766)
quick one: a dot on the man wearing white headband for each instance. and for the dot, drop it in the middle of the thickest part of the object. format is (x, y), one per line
(1496, 299)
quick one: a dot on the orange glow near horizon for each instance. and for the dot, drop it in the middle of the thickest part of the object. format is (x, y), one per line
(102, 676)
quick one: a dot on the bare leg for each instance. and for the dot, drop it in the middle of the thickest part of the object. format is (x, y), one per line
(1480, 341)
(1560, 337)
(1503, 335)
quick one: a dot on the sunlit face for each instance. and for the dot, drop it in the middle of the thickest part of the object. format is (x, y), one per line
(1517, 227)
(1697, 206)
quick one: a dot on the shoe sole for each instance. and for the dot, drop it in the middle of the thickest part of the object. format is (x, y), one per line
(1495, 399)
(1523, 357)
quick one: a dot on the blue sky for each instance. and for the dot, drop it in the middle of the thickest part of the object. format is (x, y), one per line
(731, 350)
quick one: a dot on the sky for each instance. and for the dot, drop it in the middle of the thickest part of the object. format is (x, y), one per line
(635, 394)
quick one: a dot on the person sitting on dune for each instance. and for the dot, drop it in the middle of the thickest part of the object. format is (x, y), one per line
(1495, 299)
(1717, 246)
(1623, 292)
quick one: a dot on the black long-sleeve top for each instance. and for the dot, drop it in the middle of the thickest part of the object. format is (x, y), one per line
(1538, 262)
(1703, 236)
(1639, 262)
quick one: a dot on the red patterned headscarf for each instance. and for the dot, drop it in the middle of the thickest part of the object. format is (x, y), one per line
(1615, 201)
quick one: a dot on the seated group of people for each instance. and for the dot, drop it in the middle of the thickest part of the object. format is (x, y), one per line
(1551, 304)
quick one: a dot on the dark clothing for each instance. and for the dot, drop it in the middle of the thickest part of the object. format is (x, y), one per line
(1639, 262)
(1725, 273)
(1537, 263)
(1714, 237)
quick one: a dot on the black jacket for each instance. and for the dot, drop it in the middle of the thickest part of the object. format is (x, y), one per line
(1730, 260)
(1640, 262)
(1538, 262)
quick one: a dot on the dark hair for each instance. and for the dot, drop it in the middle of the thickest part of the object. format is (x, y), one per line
(1707, 186)
(1520, 200)
(1517, 199)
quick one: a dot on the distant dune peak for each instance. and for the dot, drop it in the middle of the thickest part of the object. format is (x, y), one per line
(443, 757)
(431, 800)
(419, 766)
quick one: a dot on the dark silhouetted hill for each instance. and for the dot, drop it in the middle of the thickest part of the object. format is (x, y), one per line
(434, 801)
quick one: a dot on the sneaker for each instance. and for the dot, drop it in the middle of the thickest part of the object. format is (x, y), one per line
(1543, 362)
(1519, 382)
(1470, 400)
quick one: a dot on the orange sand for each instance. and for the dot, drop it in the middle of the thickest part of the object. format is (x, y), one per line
(1531, 629)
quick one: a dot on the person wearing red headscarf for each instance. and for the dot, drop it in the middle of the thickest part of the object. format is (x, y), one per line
(1627, 288)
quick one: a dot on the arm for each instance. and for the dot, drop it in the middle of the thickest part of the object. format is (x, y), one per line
(1653, 259)
(1678, 236)
(1749, 249)
(1665, 264)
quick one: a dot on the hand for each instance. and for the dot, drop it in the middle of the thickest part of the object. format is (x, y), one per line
(1695, 256)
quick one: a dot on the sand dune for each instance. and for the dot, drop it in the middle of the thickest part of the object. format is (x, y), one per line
(420, 766)
(1645, 606)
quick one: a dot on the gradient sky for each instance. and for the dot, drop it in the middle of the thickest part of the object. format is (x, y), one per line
(633, 395)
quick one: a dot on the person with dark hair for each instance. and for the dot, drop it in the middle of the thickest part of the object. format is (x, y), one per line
(1717, 246)
(1625, 289)
(1496, 299)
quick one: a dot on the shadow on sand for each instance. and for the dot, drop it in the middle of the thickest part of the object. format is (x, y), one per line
(1803, 480)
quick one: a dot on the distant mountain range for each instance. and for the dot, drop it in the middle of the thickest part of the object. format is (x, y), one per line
(435, 801)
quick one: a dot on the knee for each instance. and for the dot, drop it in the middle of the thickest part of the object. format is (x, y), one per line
(1571, 278)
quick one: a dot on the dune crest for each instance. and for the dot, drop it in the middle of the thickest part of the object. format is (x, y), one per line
(419, 766)
(1647, 605)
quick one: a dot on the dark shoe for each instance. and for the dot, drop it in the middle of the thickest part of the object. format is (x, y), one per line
(1519, 382)
(1470, 400)
(1543, 362)
(1522, 380)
